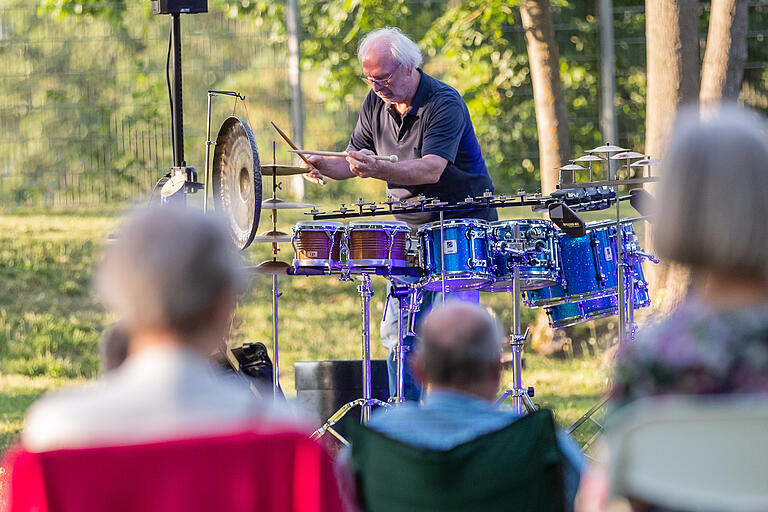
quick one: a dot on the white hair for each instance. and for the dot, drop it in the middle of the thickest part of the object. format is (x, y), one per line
(404, 51)
(168, 270)
(711, 210)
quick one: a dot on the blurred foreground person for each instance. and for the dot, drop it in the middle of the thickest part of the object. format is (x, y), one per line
(458, 362)
(172, 278)
(160, 431)
(711, 215)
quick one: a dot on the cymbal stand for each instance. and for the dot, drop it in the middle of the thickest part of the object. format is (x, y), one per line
(521, 397)
(366, 292)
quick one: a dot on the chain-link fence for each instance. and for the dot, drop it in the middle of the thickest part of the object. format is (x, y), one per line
(85, 115)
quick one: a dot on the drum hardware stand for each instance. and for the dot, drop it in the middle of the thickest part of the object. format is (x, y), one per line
(521, 397)
(209, 142)
(366, 292)
(442, 256)
(400, 292)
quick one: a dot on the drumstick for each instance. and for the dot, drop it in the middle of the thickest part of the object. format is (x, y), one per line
(391, 158)
(290, 143)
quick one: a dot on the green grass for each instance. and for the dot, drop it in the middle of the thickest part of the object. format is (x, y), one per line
(50, 325)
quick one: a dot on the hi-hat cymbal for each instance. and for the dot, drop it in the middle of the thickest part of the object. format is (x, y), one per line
(279, 204)
(281, 170)
(646, 162)
(607, 148)
(589, 158)
(270, 267)
(272, 237)
(624, 155)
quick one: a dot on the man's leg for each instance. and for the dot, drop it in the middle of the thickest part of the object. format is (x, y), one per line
(411, 388)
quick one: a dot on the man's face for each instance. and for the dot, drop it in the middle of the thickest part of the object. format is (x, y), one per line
(387, 78)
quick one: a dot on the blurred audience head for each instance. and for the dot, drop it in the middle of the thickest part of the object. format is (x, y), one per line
(460, 349)
(711, 210)
(172, 274)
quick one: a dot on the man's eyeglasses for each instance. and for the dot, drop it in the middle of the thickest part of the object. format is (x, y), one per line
(381, 82)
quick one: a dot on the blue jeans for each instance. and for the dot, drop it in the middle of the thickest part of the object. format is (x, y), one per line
(388, 330)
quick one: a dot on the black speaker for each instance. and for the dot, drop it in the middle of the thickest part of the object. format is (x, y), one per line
(179, 6)
(324, 386)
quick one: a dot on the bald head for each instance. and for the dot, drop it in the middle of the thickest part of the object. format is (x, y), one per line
(459, 347)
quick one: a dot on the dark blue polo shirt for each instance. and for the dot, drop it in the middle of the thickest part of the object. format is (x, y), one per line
(436, 123)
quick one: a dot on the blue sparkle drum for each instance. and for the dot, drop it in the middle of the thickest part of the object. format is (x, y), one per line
(587, 270)
(567, 315)
(464, 250)
(529, 245)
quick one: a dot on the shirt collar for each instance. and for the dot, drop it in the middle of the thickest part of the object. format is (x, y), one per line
(423, 92)
(455, 399)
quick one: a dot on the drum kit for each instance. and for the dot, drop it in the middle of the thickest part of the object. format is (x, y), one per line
(575, 275)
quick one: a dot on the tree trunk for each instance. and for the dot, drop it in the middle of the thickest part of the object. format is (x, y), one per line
(673, 79)
(551, 114)
(726, 52)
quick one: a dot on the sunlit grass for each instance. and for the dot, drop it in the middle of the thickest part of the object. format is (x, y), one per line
(50, 324)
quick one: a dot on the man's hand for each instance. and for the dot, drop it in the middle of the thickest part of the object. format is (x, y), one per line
(314, 175)
(362, 165)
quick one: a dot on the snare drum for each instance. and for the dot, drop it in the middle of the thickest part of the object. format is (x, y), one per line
(536, 259)
(374, 244)
(318, 244)
(465, 252)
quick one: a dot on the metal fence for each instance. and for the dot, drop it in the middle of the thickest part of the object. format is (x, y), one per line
(84, 113)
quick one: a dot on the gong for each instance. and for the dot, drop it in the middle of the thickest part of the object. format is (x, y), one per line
(237, 180)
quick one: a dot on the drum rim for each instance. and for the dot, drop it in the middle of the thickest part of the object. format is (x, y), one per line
(548, 223)
(453, 223)
(318, 224)
(358, 224)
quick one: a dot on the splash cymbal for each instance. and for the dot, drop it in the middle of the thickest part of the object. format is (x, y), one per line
(279, 204)
(272, 237)
(281, 170)
(607, 148)
(270, 267)
(624, 155)
(589, 158)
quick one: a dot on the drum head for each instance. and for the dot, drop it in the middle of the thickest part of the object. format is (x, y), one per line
(237, 180)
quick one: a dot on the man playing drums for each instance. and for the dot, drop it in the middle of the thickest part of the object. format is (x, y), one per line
(426, 124)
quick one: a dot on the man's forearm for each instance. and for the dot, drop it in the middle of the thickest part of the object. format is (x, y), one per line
(421, 171)
(335, 168)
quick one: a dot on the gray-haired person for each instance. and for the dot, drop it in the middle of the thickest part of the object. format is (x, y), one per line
(426, 123)
(711, 215)
(458, 360)
(172, 279)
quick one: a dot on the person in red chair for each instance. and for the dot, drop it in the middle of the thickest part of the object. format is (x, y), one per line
(161, 431)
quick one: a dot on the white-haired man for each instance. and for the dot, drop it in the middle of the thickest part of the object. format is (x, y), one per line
(425, 123)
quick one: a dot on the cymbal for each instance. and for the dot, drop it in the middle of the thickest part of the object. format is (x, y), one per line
(572, 167)
(272, 237)
(589, 158)
(270, 267)
(608, 148)
(279, 204)
(646, 162)
(624, 155)
(281, 170)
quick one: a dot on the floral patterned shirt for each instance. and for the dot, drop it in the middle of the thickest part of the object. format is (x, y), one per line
(696, 350)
